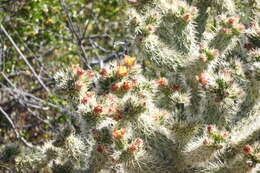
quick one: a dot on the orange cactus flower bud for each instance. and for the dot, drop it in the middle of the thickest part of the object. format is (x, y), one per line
(119, 134)
(113, 159)
(103, 72)
(122, 71)
(127, 86)
(129, 61)
(162, 82)
(98, 109)
(115, 87)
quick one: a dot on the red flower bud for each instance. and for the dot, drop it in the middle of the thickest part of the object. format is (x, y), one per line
(113, 159)
(127, 86)
(101, 149)
(186, 17)
(151, 28)
(248, 46)
(103, 72)
(202, 58)
(206, 141)
(78, 86)
(225, 134)
(90, 73)
(138, 141)
(162, 82)
(98, 109)
(175, 88)
(247, 149)
(231, 20)
(135, 145)
(132, 148)
(135, 81)
(79, 71)
(86, 98)
(253, 24)
(210, 128)
(225, 30)
(115, 87)
(202, 79)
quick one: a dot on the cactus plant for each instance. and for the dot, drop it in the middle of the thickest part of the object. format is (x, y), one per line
(188, 103)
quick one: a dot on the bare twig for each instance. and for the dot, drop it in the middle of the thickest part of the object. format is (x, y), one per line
(26, 99)
(96, 36)
(21, 96)
(24, 58)
(14, 128)
(107, 59)
(75, 33)
(113, 56)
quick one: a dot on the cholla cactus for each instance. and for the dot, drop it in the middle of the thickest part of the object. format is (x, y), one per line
(193, 106)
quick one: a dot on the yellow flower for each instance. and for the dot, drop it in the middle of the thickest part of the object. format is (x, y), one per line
(129, 61)
(122, 71)
(119, 134)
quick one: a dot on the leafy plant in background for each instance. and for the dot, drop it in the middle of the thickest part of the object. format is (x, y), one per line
(192, 105)
(40, 30)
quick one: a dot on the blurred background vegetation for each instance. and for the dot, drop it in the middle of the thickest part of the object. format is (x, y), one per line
(51, 34)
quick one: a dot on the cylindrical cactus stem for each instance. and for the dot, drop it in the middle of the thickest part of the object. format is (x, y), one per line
(237, 165)
(98, 159)
(202, 18)
(160, 54)
(199, 156)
